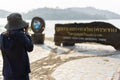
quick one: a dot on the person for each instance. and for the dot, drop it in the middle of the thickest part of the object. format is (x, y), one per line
(15, 43)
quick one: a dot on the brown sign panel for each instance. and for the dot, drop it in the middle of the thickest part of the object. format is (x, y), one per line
(37, 25)
(100, 32)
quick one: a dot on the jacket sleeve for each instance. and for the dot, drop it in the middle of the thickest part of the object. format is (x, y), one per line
(29, 44)
(24, 40)
(0, 40)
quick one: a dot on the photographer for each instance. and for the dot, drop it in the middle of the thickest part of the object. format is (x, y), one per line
(15, 44)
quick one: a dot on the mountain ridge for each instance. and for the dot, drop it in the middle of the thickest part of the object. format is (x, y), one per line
(74, 13)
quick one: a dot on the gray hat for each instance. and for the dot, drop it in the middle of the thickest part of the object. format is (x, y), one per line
(15, 22)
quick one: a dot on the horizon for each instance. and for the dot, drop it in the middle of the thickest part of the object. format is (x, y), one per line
(59, 8)
(23, 6)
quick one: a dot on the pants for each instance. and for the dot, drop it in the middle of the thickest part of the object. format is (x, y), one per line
(26, 77)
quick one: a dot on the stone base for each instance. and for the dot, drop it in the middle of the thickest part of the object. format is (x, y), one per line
(38, 38)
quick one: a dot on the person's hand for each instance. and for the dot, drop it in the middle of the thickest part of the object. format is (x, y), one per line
(5, 33)
(26, 29)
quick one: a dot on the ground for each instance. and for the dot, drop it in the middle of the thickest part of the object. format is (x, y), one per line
(84, 61)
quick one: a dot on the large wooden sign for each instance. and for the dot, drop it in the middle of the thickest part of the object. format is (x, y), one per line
(38, 26)
(100, 32)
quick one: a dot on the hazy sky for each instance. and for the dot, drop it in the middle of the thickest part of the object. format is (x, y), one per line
(27, 5)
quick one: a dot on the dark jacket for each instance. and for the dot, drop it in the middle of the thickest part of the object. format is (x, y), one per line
(14, 49)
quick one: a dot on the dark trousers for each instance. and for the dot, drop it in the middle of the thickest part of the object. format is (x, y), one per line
(26, 77)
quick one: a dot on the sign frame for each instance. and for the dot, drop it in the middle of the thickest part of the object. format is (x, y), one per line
(42, 25)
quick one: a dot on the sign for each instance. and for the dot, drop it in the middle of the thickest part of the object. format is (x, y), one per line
(37, 25)
(100, 32)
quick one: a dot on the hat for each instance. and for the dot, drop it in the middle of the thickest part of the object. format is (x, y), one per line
(15, 22)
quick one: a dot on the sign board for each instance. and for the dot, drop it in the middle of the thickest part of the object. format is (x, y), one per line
(37, 25)
(100, 32)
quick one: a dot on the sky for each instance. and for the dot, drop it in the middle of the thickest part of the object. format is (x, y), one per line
(23, 6)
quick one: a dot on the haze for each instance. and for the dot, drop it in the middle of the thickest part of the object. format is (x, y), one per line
(27, 5)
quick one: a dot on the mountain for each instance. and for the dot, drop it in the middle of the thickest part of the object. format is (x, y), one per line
(4, 14)
(87, 13)
(72, 14)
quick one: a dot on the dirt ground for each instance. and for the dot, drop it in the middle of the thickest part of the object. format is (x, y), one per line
(43, 68)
